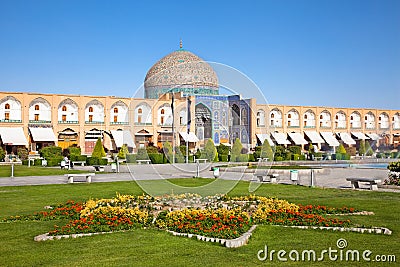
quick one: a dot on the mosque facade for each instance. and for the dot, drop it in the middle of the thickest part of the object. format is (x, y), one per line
(182, 105)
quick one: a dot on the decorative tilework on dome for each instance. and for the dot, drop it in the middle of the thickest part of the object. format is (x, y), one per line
(181, 71)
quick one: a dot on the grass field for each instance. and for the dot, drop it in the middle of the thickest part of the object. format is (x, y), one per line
(22, 170)
(150, 247)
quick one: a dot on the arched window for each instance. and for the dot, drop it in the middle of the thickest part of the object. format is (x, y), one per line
(64, 108)
(90, 109)
(115, 110)
(140, 111)
(162, 111)
(36, 107)
(7, 106)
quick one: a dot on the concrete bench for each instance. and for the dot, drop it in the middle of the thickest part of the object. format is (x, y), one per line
(87, 176)
(98, 168)
(82, 163)
(140, 161)
(373, 182)
(262, 177)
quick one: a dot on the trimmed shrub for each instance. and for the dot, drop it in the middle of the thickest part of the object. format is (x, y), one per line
(122, 152)
(251, 158)
(223, 158)
(103, 161)
(142, 154)
(167, 150)
(98, 150)
(25, 162)
(130, 158)
(2, 154)
(22, 153)
(361, 149)
(236, 150)
(294, 149)
(156, 158)
(295, 157)
(266, 151)
(179, 157)
(288, 156)
(73, 150)
(50, 152)
(210, 152)
(54, 161)
(92, 161)
(352, 151)
(191, 158)
(302, 157)
(223, 149)
(37, 162)
(81, 158)
(150, 149)
(242, 158)
(278, 158)
(341, 149)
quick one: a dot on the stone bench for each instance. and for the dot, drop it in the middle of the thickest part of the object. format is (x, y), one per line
(262, 177)
(373, 182)
(146, 161)
(87, 176)
(82, 163)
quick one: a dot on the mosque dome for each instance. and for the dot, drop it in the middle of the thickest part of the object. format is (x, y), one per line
(181, 71)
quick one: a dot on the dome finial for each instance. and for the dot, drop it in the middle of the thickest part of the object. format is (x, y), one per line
(180, 44)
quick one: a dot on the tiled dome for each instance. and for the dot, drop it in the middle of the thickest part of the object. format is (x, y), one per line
(181, 71)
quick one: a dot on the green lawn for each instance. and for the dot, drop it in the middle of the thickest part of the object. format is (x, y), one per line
(22, 170)
(157, 248)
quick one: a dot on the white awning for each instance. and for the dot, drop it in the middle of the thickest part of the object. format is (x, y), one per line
(330, 138)
(346, 138)
(191, 137)
(374, 136)
(13, 136)
(298, 138)
(314, 137)
(42, 134)
(360, 135)
(280, 138)
(262, 138)
(123, 138)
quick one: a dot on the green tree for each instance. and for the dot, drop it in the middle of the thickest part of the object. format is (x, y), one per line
(2, 154)
(49, 152)
(266, 151)
(341, 149)
(223, 149)
(311, 149)
(236, 150)
(368, 149)
(22, 153)
(123, 151)
(98, 151)
(142, 154)
(210, 152)
(361, 149)
(179, 157)
(167, 149)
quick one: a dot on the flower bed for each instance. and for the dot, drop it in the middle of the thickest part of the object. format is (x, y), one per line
(218, 216)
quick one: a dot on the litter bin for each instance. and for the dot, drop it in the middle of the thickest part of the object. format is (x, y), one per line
(215, 172)
(294, 175)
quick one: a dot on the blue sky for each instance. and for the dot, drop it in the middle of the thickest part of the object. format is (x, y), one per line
(304, 52)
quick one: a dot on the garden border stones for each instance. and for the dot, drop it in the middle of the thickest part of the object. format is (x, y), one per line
(230, 243)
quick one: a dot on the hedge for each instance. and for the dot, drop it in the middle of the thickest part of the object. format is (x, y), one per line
(96, 161)
(157, 158)
(242, 158)
(223, 158)
(130, 158)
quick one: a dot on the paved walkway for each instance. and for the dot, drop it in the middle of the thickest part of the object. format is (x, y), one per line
(326, 177)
